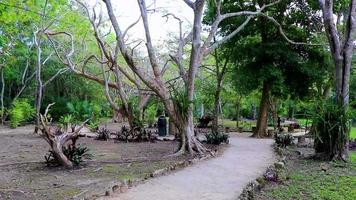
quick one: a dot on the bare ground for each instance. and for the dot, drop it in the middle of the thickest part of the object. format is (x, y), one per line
(24, 175)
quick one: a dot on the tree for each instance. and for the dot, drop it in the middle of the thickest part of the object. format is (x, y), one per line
(182, 115)
(341, 47)
(272, 63)
(221, 68)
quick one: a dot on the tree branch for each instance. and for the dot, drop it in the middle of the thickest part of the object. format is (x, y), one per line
(150, 49)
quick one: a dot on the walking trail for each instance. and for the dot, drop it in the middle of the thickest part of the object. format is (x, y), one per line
(221, 178)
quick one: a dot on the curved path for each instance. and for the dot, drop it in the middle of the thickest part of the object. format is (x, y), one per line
(221, 178)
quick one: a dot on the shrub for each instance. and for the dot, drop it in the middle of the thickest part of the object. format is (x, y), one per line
(76, 154)
(66, 120)
(283, 139)
(330, 127)
(93, 126)
(217, 137)
(103, 134)
(83, 110)
(20, 112)
(150, 116)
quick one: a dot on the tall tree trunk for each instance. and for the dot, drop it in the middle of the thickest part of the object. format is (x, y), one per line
(2, 96)
(290, 110)
(39, 87)
(238, 105)
(274, 110)
(216, 108)
(193, 145)
(254, 111)
(261, 126)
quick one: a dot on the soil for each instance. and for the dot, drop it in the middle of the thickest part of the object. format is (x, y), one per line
(24, 174)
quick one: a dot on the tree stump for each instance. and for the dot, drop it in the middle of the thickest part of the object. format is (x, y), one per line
(58, 137)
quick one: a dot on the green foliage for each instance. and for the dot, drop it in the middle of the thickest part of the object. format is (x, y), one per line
(150, 115)
(66, 121)
(217, 137)
(283, 139)
(20, 112)
(82, 110)
(76, 154)
(331, 123)
(93, 126)
(181, 101)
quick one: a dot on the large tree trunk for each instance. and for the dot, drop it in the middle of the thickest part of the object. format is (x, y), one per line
(173, 129)
(189, 143)
(185, 127)
(261, 126)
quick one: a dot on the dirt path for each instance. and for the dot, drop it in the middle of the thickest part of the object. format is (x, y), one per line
(221, 178)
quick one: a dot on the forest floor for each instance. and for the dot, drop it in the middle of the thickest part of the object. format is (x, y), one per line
(221, 178)
(24, 174)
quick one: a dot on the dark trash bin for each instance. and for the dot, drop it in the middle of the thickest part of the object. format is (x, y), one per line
(162, 126)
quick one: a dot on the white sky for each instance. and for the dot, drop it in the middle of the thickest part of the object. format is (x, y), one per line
(127, 12)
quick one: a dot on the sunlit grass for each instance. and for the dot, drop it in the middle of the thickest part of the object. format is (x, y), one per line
(353, 132)
(232, 123)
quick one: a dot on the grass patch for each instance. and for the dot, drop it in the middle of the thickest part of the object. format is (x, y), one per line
(232, 123)
(353, 133)
(229, 123)
(307, 180)
(304, 122)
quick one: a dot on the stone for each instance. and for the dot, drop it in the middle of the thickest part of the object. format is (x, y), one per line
(116, 188)
(107, 193)
(324, 166)
(284, 159)
(279, 165)
(123, 188)
(300, 153)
